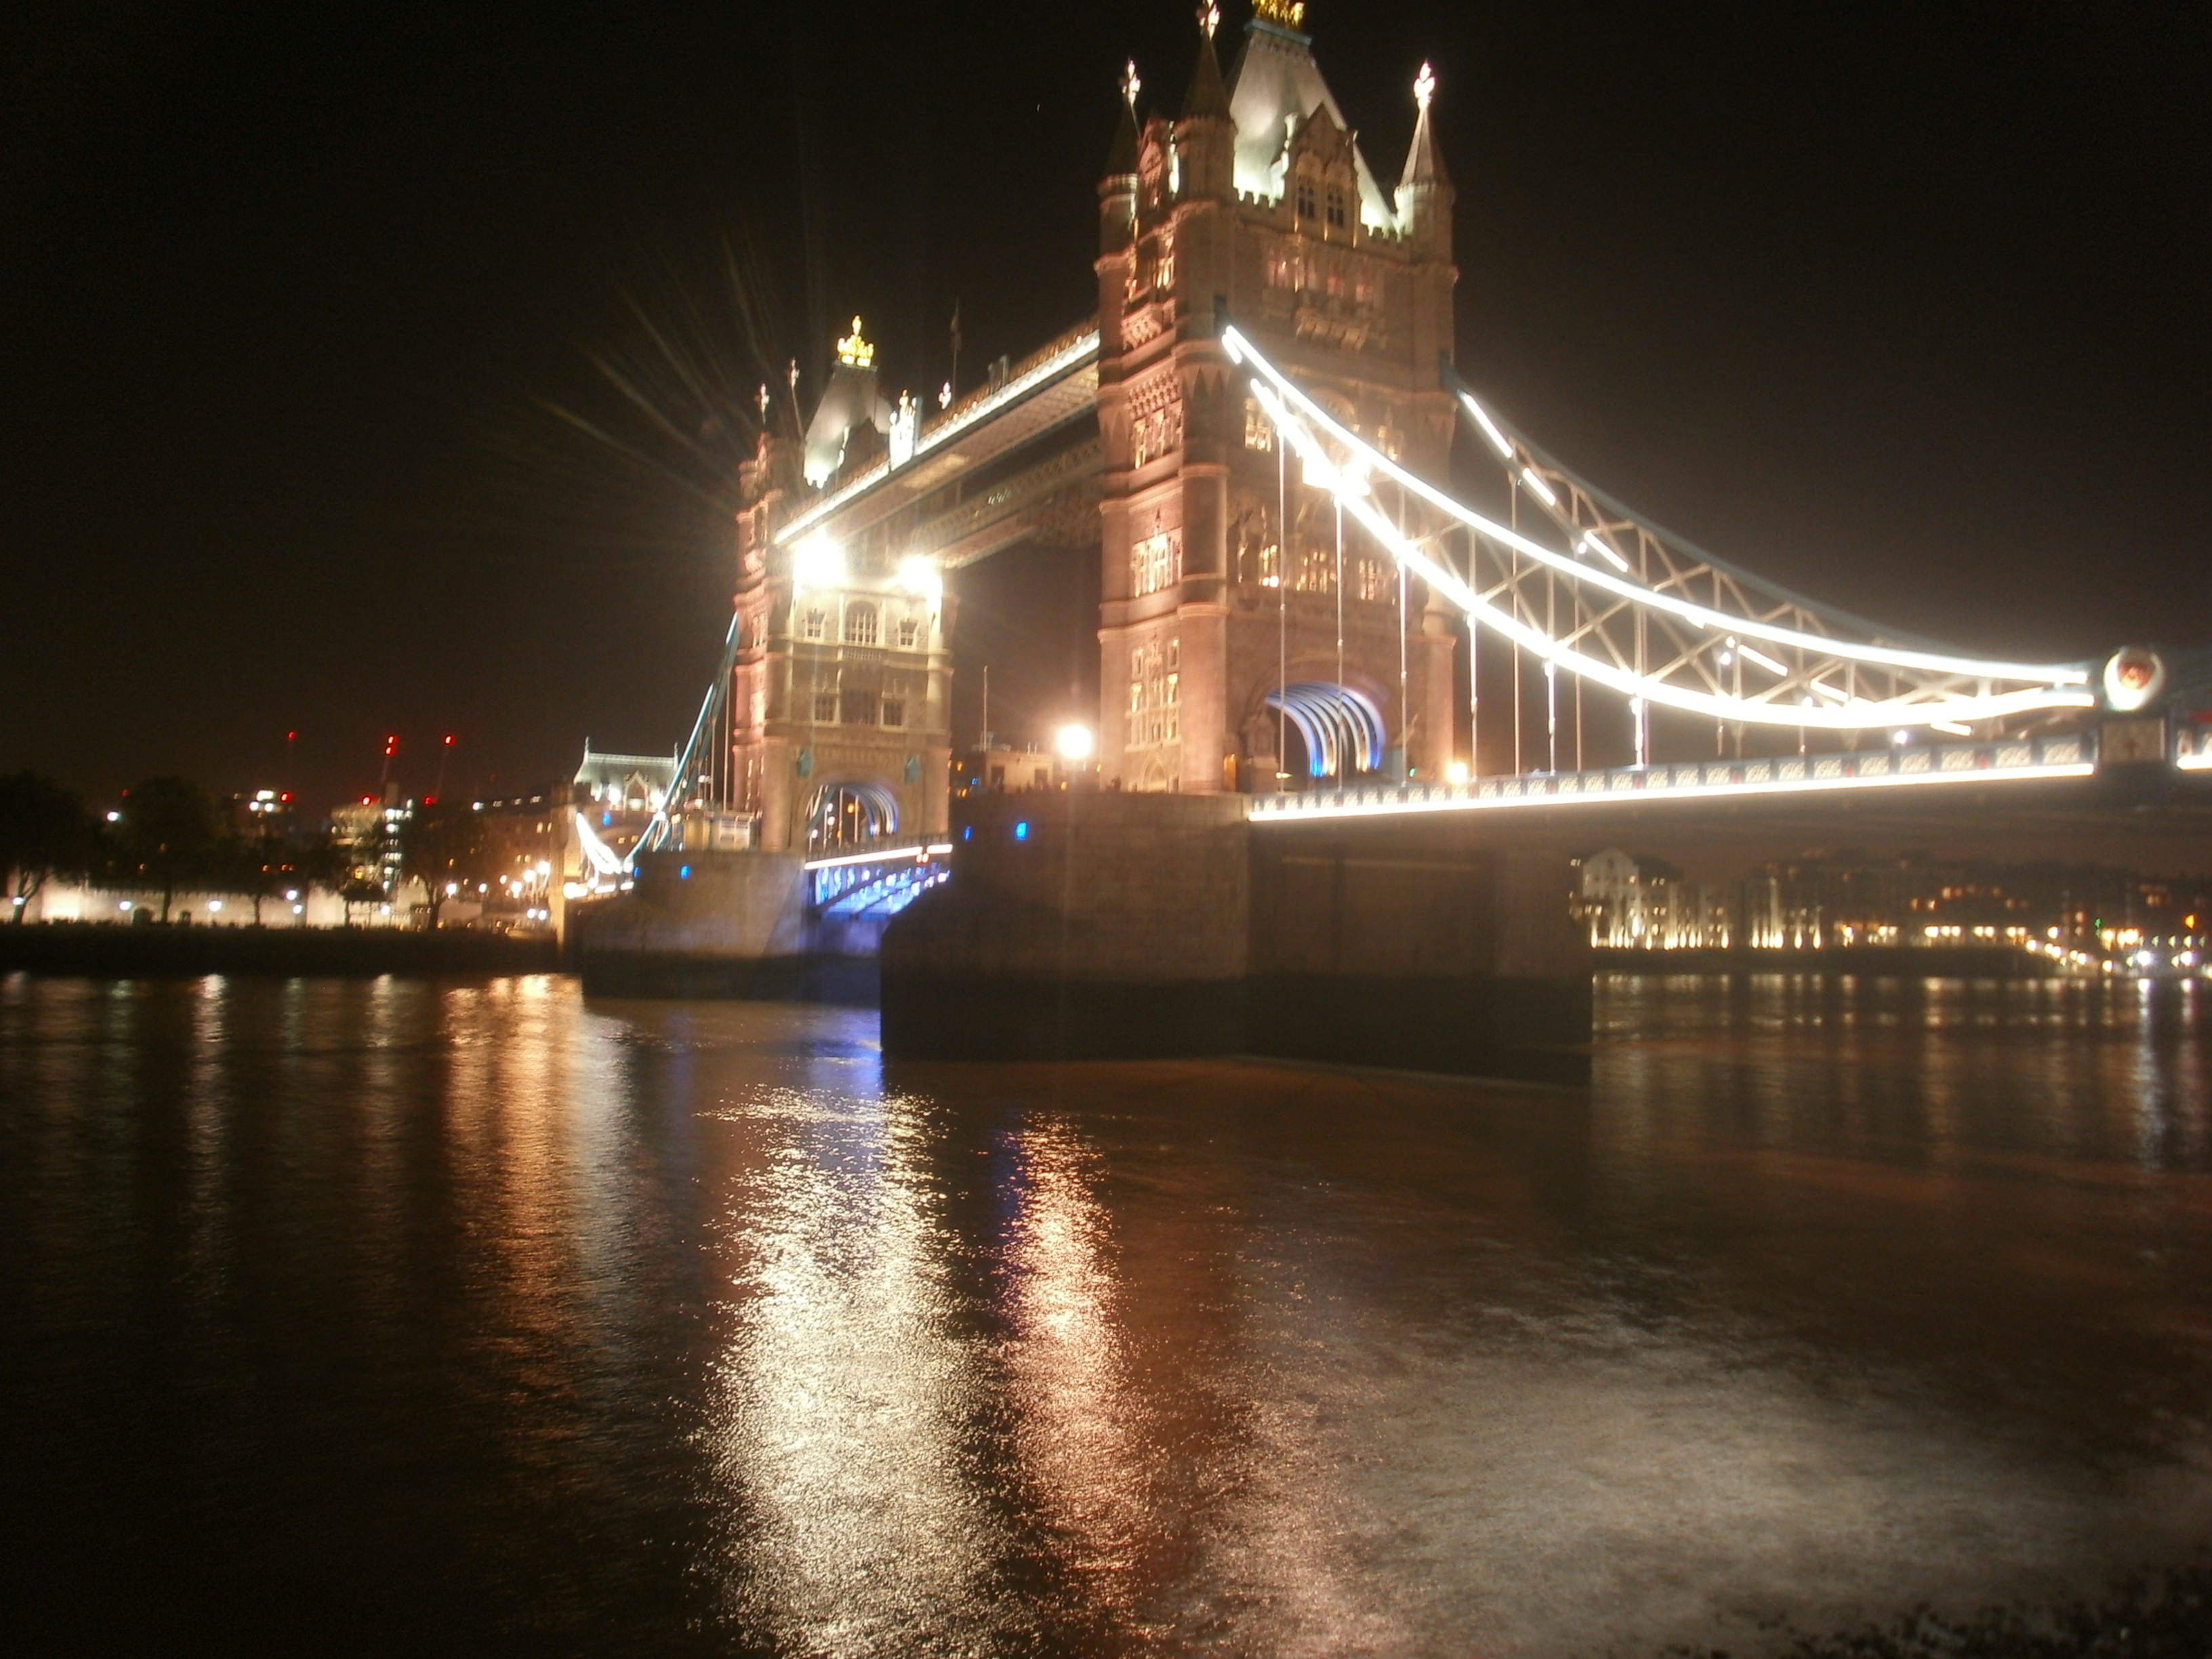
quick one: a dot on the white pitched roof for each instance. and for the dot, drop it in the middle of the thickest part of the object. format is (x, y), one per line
(1275, 82)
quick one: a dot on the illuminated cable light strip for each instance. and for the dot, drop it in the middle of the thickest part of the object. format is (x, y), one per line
(1759, 657)
(2054, 674)
(920, 854)
(1543, 490)
(1489, 426)
(2200, 761)
(1951, 727)
(1464, 802)
(656, 830)
(1551, 651)
(1858, 716)
(1052, 368)
(1595, 545)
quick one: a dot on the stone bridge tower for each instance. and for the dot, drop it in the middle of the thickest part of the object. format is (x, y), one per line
(1245, 638)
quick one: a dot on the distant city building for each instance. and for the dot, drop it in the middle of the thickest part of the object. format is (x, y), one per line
(1636, 902)
(2084, 916)
(370, 830)
(1004, 767)
(613, 799)
(624, 783)
(259, 813)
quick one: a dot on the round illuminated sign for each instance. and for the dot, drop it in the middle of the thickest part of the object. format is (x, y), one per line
(2133, 678)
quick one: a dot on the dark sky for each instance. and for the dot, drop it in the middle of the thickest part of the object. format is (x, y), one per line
(1905, 307)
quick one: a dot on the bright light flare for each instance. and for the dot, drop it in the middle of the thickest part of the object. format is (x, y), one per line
(918, 575)
(1074, 743)
(818, 562)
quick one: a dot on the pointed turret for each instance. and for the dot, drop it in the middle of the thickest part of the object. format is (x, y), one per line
(1425, 189)
(1205, 137)
(1117, 191)
(1209, 96)
(1122, 156)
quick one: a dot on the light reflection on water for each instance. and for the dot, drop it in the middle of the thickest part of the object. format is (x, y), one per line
(480, 1314)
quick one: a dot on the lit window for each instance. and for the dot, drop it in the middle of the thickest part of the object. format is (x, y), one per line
(1155, 689)
(909, 632)
(859, 624)
(1258, 430)
(813, 624)
(1155, 563)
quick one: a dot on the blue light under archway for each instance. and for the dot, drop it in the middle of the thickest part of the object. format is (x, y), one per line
(1341, 729)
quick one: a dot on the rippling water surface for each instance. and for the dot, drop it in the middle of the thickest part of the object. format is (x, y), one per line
(393, 1315)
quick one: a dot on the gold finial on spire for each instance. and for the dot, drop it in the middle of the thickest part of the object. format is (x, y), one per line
(1209, 17)
(1131, 86)
(1288, 13)
(1425, 86)
(853, 351)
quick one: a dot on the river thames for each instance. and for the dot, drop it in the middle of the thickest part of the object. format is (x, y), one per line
(390, 1315)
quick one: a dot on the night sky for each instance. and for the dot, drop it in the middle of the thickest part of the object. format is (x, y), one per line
(308, 311)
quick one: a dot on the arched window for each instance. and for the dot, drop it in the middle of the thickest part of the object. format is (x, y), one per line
(909, 631)
(811, 624)
(859, 624)
(1305, 197)
(849, 815)
(1336, 214)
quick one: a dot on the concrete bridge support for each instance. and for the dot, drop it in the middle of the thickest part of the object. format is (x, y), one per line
(727, 924)
(1123, 926)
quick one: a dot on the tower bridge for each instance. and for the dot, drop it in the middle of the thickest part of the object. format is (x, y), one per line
(1338, 590)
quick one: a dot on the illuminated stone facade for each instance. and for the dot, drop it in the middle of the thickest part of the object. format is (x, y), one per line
(838, 722)
(1256, 205)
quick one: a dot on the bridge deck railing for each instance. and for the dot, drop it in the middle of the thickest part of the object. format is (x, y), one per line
(2017, 759)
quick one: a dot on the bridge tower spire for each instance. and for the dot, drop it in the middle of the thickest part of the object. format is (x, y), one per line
(1234, 621)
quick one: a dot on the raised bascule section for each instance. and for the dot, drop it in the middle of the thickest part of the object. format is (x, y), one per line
(1317, 829)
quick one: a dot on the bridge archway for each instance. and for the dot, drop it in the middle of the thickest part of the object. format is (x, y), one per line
(1334, 732)
(847, 814)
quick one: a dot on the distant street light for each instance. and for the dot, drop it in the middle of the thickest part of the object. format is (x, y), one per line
(1074, 743)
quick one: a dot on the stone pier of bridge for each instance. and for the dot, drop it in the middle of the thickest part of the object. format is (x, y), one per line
(1104, 925)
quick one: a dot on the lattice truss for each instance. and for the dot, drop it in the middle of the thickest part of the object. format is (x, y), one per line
(1613, 599)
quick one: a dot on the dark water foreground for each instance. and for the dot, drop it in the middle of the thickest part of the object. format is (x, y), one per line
(393, 1315)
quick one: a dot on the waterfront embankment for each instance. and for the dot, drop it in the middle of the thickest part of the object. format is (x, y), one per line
(173, 951)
